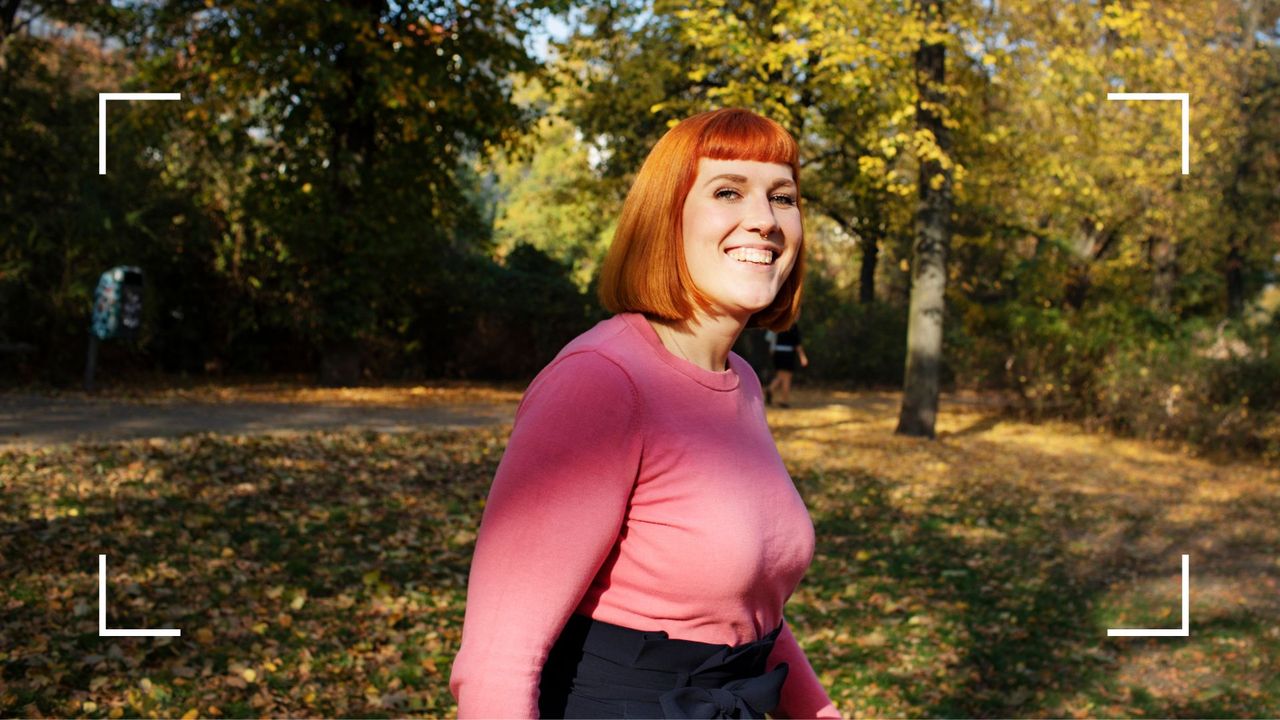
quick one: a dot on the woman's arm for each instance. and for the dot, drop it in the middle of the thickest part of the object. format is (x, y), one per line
(804, 359)
(802, 693)
(552, 516)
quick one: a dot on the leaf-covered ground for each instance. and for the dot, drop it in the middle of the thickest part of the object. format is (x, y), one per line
(324, 574)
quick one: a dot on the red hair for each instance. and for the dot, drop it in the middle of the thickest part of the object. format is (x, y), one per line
(645, 269)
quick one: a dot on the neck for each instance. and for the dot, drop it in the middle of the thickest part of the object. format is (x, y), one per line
(703, 340)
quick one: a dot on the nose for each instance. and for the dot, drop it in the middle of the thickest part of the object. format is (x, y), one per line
(760, 219)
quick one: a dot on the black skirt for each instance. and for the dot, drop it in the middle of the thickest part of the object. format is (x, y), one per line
(784, 360)
(599, 670)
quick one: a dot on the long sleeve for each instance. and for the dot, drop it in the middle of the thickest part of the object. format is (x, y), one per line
(802, 694)
(553, 514)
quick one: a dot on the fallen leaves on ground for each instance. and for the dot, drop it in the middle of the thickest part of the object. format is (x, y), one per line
(324, 574)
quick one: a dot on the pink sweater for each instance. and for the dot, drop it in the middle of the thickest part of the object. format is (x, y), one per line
(641, 490)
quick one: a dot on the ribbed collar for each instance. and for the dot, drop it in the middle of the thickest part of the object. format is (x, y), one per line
(721, 381)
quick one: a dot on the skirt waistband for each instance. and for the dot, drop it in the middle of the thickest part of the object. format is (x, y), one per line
(647, 670)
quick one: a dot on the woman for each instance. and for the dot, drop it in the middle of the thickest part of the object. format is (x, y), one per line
(786, 350)
(642, 535)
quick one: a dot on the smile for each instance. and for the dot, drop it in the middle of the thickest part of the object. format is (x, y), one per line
(757, 256)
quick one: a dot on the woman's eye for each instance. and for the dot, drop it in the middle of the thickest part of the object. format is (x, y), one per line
(727, 194)
(784, 200)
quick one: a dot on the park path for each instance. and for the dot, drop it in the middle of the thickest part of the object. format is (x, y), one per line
(36, 420)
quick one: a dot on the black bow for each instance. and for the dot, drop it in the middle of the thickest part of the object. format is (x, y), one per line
(749, 698)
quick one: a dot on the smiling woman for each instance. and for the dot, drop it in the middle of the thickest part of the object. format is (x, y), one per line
(642, 534)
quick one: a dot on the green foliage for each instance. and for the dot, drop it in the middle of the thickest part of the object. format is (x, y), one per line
(362, 114)
(1216, 390)
(1130, 370)
(553, 199)
(510, 320)
(851, 342)
(313, 187)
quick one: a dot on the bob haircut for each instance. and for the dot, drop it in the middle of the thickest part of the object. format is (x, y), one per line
(645, 270)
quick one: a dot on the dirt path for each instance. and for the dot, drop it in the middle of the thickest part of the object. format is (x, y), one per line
(34, 420)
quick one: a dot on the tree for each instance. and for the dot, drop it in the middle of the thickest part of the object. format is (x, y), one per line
(340, 131)
(919, 410)
(833, 72)
(550, 196)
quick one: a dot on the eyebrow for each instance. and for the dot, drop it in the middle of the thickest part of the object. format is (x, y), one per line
(777, 183)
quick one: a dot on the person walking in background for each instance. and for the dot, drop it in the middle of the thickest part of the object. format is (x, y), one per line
(642, 534)
(787, 350)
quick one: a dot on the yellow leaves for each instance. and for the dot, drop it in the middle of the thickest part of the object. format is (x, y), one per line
(872, 165)
(299, 599)
(116, 713)
(1127, 22)
(191, 714)
(89, 706)
(250, 675)
(204, 636)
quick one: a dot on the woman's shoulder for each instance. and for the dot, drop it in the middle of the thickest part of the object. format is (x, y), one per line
(604, 335)
(617, 341)
(593, 367)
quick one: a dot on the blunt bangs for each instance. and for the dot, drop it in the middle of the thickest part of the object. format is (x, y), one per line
(742, 135)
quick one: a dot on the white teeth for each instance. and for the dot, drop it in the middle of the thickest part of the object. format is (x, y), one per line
(752, 255)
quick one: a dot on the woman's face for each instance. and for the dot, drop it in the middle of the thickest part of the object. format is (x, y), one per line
(742, 232)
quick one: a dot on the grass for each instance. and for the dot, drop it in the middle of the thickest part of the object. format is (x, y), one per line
(324, 574)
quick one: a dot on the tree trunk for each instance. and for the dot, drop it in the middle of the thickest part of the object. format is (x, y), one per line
(921, 384)
(340, 365)
(347, 286)
(1238, 239)
(1235, 273)
(867, 276)
(8, 17)
(1162, 252)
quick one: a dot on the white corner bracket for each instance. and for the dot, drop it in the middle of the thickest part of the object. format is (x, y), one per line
(1184, 631)
(103, 630)
(1185, 98)
(102, 118)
